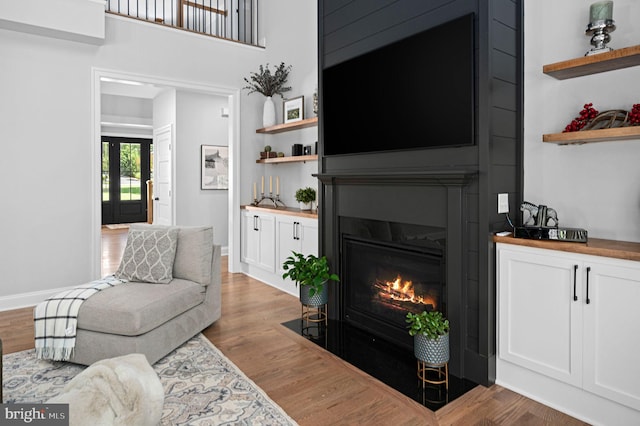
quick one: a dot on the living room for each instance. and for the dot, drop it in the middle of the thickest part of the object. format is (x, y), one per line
(47, 87)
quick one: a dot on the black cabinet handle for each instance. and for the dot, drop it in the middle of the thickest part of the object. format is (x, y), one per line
(255, 223)
(588, 270)
(575, 272)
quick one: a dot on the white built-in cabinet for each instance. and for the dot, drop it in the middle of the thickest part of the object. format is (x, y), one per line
(268, 237)
(573, 318)
(295, 234)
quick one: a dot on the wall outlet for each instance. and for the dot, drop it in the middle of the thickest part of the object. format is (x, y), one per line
(503, 203)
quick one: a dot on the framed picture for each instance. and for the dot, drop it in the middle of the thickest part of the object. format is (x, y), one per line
(293, 109)
(214, 167)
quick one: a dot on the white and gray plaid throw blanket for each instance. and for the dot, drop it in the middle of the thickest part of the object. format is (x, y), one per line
(56, 319)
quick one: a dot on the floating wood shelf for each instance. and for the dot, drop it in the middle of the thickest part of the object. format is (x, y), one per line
(293, 159)
(587, 136)
(586, 65)
(279, 128)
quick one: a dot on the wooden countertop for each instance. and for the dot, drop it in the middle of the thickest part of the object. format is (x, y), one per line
(595, 246)
(289, 211)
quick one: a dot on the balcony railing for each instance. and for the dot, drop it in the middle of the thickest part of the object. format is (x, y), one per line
(235, 20)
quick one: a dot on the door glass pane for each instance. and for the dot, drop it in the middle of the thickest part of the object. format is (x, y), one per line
(151, 162)
(130, 184)
(105, 171)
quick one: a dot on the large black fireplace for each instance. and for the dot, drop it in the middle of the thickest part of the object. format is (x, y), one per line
(420, 205)
(390, 269)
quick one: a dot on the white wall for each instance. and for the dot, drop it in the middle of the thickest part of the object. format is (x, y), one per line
(199, 122)
(297, 46)
(593, 186)
(46, 129)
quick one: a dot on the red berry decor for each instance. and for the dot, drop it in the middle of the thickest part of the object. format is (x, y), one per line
(587, 114)
(634, 115)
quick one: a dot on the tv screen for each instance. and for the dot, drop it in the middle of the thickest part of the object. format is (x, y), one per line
(415, 93)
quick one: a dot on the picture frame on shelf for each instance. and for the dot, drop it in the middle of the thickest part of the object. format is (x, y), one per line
(214, 167)
(293, 109)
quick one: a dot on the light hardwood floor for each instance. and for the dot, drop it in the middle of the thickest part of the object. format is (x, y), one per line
(312, 385)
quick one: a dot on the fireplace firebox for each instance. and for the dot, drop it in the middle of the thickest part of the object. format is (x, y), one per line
(387, 274)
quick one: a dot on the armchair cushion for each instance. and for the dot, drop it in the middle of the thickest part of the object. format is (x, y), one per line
(149, 255)
(194, 251)
(131, 309)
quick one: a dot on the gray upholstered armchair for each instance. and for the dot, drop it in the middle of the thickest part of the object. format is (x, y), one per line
(153, 318)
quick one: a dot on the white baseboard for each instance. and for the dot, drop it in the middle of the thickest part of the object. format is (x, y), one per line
(24, 300)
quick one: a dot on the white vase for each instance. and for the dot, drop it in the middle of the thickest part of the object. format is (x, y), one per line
(269, 113)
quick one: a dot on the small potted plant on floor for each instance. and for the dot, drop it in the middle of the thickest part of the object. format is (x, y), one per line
(305, 196)
(311, 273)
(430, 331)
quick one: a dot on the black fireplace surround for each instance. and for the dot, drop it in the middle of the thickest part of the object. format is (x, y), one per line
(420, 235)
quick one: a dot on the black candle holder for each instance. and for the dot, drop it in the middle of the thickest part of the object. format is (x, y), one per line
(270, 198)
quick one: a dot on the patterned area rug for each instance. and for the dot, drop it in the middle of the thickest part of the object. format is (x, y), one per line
(202, 386)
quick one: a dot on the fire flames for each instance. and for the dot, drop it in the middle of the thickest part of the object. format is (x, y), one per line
(403, 291)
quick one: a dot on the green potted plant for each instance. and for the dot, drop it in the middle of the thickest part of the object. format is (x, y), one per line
(430, 331)
(311, 272)
(269, 84)
(305, 196)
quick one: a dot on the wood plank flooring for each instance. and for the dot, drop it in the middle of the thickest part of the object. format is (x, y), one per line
(312, 385)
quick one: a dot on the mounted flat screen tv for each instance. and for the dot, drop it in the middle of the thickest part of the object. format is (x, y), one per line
(415, 93)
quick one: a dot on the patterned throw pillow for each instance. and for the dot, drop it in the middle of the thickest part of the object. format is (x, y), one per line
(148, 256)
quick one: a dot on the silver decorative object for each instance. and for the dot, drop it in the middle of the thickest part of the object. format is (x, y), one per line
(600, 25)
(315, 101)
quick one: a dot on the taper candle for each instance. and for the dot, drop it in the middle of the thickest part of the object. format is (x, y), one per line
(270, 184)
(277, 185)
(262, 187)
(601, 11)
(255, 191)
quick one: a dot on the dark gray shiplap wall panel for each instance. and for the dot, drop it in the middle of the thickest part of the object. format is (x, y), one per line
(331, 6)
(351, 13)
(424, 159)
(504, 150)
(504, 95)
(506, 12)
(504, 66)
(503, 122)
(503, 39)
(503, 177)
(401, 19)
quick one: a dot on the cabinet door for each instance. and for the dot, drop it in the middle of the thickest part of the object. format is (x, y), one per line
(612, 332)
(287, 241)
(250, 238)
(540, 322)
(308, 234)
(296, 234)
(267, 243)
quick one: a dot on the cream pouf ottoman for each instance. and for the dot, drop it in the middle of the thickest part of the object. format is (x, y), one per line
(116, 391)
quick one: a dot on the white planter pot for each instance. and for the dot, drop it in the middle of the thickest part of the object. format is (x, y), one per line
(305, 206)
(269, 113)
